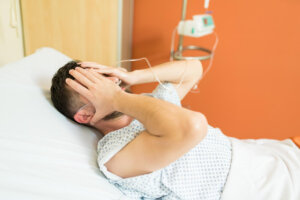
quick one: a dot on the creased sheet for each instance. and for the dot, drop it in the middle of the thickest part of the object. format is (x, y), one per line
(263, 169)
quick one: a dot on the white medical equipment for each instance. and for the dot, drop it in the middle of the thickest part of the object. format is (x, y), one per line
(201, 25)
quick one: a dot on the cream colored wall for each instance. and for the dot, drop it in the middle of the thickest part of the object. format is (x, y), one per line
(11, 43)
(84, 30)
(113, 46)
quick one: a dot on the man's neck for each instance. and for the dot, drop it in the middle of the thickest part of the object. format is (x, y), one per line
(106, 131)
(106, 127)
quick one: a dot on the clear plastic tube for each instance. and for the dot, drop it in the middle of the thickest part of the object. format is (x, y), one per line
(171, 59)
(155, 76)
(194, 90)
(210, 62)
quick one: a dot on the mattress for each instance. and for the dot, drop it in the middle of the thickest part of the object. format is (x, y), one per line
(263, 169)
(44, 155)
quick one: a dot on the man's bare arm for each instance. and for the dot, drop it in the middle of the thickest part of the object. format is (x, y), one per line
(159, 117)
(190, 70)
(171, 131)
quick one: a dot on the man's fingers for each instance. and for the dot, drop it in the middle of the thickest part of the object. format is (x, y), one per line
(94, 72)
(87, 74)
(111, 70)
(123, 69)
(92, 65)
(105, 71)
(79, 88)
(81, 78)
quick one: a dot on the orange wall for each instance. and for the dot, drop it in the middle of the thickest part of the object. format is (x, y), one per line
(252, 90)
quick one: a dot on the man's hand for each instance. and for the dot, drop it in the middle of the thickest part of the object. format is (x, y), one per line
(100, 91)
(180, 73)
(120, 72)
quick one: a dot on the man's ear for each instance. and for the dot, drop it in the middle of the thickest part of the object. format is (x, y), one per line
(83, 116)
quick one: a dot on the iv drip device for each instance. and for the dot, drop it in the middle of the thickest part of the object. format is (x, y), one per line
(200, 26)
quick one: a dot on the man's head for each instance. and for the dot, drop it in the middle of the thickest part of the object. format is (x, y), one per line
(76, 107)
(64, 99)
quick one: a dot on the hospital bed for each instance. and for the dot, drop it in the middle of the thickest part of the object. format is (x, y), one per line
(43, 155)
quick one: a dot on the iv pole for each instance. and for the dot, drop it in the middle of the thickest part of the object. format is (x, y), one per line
(177, 55)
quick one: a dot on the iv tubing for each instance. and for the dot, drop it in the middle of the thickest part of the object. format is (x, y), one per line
(155, 76)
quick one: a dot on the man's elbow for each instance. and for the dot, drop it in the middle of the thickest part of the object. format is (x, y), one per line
(198, 69)
(198, 126)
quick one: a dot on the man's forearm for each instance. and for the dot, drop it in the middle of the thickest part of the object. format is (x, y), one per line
(170, 71)
(159, 117)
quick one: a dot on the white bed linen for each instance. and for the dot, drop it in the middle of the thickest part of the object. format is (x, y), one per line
(43, 155)
(262, 170)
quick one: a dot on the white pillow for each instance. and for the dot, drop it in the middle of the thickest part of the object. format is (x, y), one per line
(44, 155)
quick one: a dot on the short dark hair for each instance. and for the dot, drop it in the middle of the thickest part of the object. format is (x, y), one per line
(64, 99)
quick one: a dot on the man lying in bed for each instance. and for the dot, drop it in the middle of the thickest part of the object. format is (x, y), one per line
(152, 147)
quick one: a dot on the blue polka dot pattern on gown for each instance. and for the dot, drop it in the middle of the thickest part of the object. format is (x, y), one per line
(199, 174)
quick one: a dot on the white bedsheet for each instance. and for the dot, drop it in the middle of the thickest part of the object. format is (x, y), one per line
(262, 170)
(43, 155)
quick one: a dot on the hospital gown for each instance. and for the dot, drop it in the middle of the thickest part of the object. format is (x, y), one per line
(199, 174)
